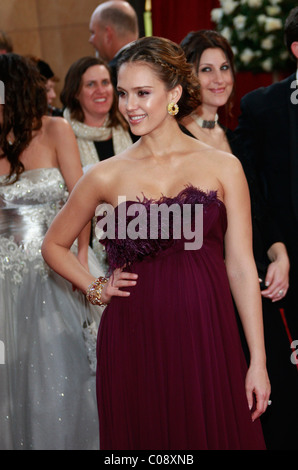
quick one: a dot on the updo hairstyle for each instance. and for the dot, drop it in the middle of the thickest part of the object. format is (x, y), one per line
(168, 61)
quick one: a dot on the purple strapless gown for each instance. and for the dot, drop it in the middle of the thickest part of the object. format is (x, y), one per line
(171, 370)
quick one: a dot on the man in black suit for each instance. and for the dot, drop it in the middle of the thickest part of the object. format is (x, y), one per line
(268, 129)
(113, 25)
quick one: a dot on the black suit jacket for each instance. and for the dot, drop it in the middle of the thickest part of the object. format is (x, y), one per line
(268, 132)
(113, 69)
(113, 64)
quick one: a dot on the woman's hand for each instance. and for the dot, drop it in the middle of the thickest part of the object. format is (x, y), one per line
(116, 282)
(277, 276)
(258, 390)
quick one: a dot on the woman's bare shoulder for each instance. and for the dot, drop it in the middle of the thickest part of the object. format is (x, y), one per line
(56, 125)
(108, 171)
(202, 151)
(102, 180)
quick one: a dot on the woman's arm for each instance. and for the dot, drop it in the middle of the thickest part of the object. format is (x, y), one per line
(68, 159)
(243, 278)
(66, 227)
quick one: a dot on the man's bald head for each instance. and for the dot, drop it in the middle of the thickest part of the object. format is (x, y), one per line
(113, 24)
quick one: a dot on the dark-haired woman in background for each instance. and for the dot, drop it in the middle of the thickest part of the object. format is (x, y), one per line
(50, 83)
(212, 59)
(91, 108)
(47, 392)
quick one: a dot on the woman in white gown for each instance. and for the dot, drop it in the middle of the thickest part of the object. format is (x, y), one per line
(47, 389)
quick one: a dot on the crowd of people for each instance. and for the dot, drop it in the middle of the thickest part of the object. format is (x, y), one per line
(135, 341)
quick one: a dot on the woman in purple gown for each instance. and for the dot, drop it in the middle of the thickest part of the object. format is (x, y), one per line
(171, 372)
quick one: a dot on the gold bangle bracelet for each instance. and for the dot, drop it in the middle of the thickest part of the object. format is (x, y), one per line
(93, 292)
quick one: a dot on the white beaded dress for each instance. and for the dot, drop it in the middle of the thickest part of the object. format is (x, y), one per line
(47, 389)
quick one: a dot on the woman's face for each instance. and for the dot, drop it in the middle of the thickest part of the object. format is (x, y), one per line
(50, 89)
(97, 92)
(143, 98)
(216, 78)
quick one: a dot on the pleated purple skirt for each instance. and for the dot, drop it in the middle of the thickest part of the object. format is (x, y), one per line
(171, 370)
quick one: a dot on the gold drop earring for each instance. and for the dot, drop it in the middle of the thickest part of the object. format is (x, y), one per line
(173, 109)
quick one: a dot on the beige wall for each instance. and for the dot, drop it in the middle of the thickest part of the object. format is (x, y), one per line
(55, 30)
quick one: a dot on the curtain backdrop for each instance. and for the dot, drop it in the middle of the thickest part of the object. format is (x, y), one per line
(173, 19)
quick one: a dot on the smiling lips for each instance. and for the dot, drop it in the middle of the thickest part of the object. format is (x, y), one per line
(136, 119)
(217, 90)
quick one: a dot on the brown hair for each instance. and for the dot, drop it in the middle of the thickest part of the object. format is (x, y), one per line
(168, 61)
(25, 104)
(44, 68)
(73, 84)
(291, 30)
(196, 42)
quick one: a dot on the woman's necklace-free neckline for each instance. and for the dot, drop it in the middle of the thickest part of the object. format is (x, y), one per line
(203, 122)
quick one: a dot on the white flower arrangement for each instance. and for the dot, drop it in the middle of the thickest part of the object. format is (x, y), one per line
(254, 29)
